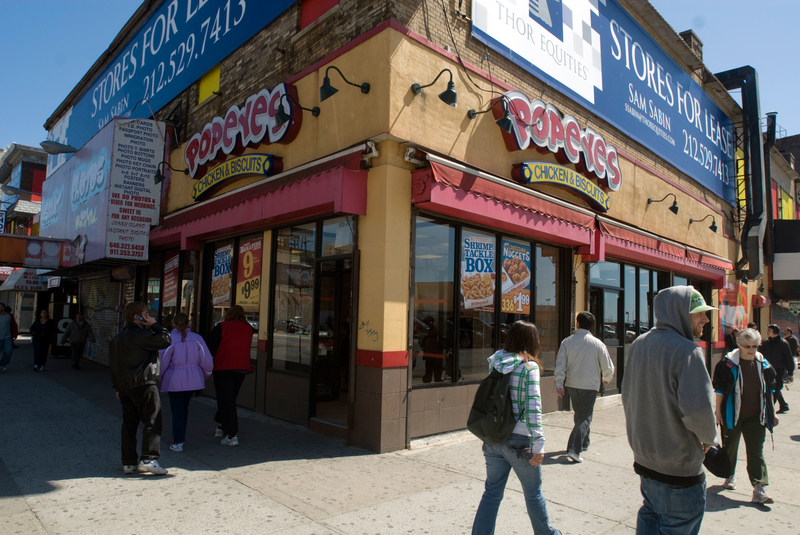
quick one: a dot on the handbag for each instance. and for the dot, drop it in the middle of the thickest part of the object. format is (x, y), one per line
(717, 461)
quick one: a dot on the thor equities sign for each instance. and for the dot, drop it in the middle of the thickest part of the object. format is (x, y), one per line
(597, 54)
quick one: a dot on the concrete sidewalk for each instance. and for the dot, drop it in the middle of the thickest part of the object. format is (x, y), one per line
(60, 473)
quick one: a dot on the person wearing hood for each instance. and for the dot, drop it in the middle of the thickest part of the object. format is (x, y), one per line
(524, 450)
(743, 382)
(669, 412)
(777, 352)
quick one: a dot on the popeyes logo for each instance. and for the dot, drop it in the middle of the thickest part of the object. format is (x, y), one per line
(544, 125)
(251, 124)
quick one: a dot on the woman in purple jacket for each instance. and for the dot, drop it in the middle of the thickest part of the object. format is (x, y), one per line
(184, 368)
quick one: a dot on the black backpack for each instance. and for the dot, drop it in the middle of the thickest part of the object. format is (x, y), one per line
(491, 418)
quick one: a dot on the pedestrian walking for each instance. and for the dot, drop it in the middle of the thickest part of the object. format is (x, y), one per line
(230, 342)
(134, 366)
(777, 352)
(788, 335)
(43, 335)
(731, 343)
(7, 324)
(524, 450)
(581, 365)
(743, 382)
(669, 412)
(77, 334)
(185, 365)
(14, 326)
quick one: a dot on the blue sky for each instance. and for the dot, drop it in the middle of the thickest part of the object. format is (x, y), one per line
(48, 45)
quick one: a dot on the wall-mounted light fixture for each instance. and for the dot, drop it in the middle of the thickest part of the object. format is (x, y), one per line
(448, 96)
(673, 208)
(12, 190)
(713, 225)
(505, 122)
(283, 117)
(159, 177)
(327, 90)
(54, 147)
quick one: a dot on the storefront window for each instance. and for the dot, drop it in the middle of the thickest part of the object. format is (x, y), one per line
(605, 273)
(337, 236)
(478, 272)
(171, 273)
(187, 283)
(294, 298)
(434, 257)
(221, 280)
(645, 301)
(154, 285)
(548, 271)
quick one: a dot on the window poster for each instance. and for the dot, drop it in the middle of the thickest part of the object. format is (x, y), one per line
(248, 274)
(515, 277)
(221, 277)
(477, 271)
(171, 280)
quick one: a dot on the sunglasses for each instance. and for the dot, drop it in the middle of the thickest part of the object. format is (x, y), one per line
(748, 347)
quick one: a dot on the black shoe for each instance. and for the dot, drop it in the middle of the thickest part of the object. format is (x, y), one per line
(783, 409)
(76, 366)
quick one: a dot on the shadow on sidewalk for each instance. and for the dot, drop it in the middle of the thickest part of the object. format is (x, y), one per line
(262, 439)
(718, 500)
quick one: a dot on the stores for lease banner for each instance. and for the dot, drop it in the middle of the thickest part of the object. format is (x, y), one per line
(383, 243)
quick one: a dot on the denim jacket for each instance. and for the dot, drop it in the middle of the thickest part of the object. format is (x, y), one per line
(728, 382)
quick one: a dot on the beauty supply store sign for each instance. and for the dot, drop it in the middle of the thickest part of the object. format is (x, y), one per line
(105, 195)
(597, 54)
(176, 45)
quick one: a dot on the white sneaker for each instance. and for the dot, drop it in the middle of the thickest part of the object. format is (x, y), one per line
(218, 433)
(128, 468)
(177, 447)
(760, 495)
(730, 483)
(152, 466)
(574, 457)
(230, 441)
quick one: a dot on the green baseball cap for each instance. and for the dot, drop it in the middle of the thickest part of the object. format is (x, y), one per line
(698, 304)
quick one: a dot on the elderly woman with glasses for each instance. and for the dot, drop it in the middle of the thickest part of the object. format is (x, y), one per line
(743, 383)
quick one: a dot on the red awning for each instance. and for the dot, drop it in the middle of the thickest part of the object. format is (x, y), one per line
(499, 203)
(334, 186)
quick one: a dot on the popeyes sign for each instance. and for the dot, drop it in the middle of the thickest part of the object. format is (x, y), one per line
(540, 122)
(240, 127)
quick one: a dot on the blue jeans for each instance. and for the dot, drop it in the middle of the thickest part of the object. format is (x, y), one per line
(179, 406)
(671, 510)
(500, 459)
(6, 347)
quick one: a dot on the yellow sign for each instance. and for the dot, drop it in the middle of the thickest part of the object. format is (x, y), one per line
(558, 175)
(248, 164)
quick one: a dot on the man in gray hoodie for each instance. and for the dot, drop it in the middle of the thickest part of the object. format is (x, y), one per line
(669, 412)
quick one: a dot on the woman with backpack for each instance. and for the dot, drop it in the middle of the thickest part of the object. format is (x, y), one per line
(185, 365)
(524, 450)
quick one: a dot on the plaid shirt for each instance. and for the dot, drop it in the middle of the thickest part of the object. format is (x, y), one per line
(526, 396)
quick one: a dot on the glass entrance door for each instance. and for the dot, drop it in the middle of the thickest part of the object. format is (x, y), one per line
(331, 353)
(604, 304)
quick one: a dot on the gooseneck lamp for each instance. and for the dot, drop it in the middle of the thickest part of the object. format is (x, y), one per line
(448, 96)
(673, 208)
(160, 177)
(506, 122)
(282, 117)
(327, 90)
(712, 227)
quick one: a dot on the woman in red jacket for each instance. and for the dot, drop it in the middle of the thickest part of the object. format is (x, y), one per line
(230, 343)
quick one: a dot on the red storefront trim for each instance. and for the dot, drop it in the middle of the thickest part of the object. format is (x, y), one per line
(291, 196)
(462, 195)
(382, 359)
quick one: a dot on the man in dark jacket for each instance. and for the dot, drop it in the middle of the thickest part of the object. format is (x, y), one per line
(776, 350)
(134, 365)
(78, 332)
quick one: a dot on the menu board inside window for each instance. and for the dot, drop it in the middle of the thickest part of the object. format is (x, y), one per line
(221, 276)
(171, 266)
(248, 274)
(515, 278)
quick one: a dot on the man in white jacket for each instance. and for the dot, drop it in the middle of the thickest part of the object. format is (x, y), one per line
(583, 359)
